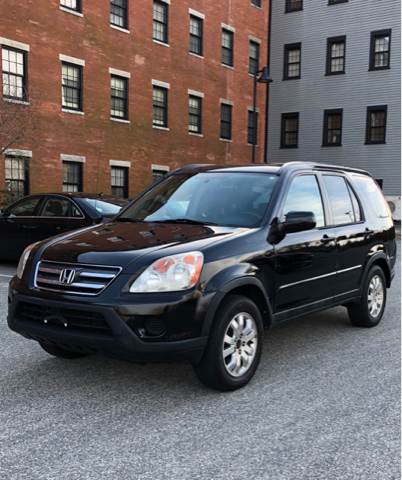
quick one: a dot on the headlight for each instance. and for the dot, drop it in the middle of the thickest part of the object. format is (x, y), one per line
(170, 274)
(23, 259)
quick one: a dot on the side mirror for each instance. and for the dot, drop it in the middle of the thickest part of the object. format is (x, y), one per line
(294, 222)
(298, 222)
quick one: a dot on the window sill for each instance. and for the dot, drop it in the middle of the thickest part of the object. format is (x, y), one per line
(19, 102)
(332, 74)
(164, 129)
(256, 6)
(193, 134)
(378, 69)
(74, 112)
(332, 145)
(119, 29)
(294, 10)
(197, 55)
(226, 140)
(375, 143)
(158, 42)
(285, 79)
(120, 120)
(73, 12)
(230, 67)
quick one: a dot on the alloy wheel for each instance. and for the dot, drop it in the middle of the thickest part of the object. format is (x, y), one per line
(240, 344)
(375, 296)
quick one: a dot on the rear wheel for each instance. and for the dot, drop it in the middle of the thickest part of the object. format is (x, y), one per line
(60, 352)
(370, 310)
(235, 344)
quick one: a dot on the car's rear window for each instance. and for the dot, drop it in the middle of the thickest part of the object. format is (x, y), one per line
(103, 207)
(368, 189)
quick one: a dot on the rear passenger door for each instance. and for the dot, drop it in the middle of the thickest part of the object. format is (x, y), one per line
(352, 234)
(305, 262)
(60, 215)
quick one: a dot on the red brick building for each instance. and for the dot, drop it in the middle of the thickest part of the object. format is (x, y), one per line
(122, 89)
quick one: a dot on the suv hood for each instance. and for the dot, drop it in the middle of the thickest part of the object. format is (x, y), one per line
(119, 244)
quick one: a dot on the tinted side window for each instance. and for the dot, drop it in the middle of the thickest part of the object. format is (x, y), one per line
(25, 208)
(368, 190)
(304, 195)
(59, 207)
(339, 199)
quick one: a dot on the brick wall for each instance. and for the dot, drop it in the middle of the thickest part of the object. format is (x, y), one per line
(49, 32)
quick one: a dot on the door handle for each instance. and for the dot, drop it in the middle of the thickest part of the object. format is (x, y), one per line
(327, 239)
(29, 227)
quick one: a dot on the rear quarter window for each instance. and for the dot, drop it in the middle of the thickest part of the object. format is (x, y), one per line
(371, 195)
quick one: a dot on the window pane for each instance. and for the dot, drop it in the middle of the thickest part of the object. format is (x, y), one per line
(119, 93)
(119, 181)
(160, 21)
(16, 178)
(25, 208)
(376, 128)
(59, 207)
(254, 56)
(368, 189)
(290, 130)
(292, 61)
(160, 107)
(196, 35)
(304, 195)
(118, 13)
(13, 69)
(227, 47)
(194, 108)
(71, 86)
(226, 121)
(72, 177)
(71, 4)
(339, 199)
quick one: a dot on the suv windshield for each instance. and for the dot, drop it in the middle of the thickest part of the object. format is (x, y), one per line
(227, 199)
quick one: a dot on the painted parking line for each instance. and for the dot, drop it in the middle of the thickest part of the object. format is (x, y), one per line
(2, 275)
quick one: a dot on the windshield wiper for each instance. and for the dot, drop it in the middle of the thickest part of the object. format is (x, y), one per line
(129, 220)
(189, 221)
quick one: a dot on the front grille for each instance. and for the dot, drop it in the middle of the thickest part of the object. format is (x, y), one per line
(63, 318)
(74, 278)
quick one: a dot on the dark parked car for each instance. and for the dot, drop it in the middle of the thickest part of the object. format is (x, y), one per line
(198, 264)
(38, 217)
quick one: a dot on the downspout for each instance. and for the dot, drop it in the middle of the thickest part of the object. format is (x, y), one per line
(268, 85)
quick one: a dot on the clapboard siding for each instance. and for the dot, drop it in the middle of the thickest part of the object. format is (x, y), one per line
(354, 91)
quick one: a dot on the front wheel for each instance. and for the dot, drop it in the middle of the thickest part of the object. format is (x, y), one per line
(370, 310)
(235, 345)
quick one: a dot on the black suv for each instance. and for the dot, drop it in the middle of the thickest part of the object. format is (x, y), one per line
(201, 262)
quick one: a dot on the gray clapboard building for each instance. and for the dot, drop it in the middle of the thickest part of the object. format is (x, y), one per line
(335, 96)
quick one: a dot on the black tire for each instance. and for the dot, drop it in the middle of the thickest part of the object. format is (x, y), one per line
(60, 352)
(212, 370)
(359, 313)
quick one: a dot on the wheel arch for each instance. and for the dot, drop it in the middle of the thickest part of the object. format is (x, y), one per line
(249, 287)
(380, 260)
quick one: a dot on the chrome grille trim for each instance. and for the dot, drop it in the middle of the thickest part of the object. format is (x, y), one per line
(88, 280)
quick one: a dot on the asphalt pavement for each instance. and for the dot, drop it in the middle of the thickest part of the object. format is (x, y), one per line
(324, 404)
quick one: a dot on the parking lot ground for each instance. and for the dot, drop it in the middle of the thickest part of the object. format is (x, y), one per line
(324, 404)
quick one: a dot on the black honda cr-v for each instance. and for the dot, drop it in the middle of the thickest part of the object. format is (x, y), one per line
(200, 263)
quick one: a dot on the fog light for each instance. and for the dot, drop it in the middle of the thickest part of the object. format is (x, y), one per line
(155, 327)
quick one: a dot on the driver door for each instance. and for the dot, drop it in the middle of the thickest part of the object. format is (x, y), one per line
(17, 227)
(305, 262)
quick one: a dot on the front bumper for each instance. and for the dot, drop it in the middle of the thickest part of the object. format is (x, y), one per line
(90, 327)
